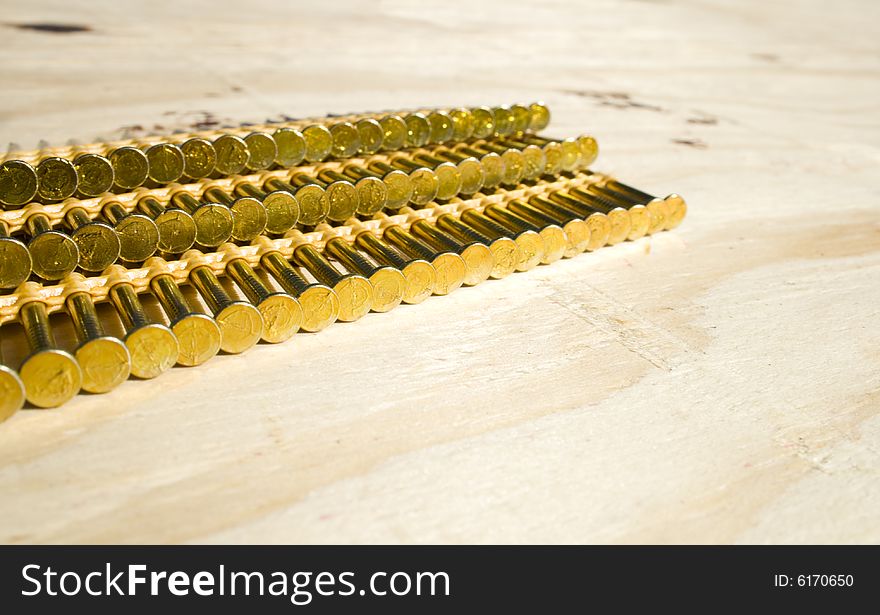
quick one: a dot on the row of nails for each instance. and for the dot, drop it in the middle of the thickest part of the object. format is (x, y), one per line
(49, 177)
(248, 209)
(406, 263)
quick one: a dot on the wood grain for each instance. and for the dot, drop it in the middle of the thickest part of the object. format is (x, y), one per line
(720, 383)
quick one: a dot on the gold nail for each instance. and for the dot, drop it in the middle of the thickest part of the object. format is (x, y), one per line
(577, 233)
(505, 252)
(552, 236)
(312, 199)
(94, 174)
(425, 182)
(354, 291)
(12, 393)
(249, 216)
(448, 175)
(597, 223)
(449, 268)
(530, 244)
(18, 183)
(477, 257)
(372, 191)
(97, 243)
(262, 151)
(319, 302)
(214, 222)
(282, 208)
(291, 146)
(15, 260)
(282, 314)
(197, 334)
(138, 234)
(341, 196)
(166, 162)
(152, 346)
(130, 167)
(51, 376)
(418, 273)
(398, 185)
(346, 140)
(470, 172)
(104, 360)
(54, 254)
(388, 283)
(199, 158)
(232, 155)
(177, 229)
(56, 179)
(241, 325)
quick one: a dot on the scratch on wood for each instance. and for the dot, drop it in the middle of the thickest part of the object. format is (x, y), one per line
(617, 100)
(633, 331)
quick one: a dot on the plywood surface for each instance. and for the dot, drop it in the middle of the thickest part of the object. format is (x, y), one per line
(720, 383)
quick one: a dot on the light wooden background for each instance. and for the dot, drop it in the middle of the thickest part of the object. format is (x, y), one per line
(720, 383)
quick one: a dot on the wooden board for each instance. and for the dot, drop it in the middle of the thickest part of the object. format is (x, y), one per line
(720, 383)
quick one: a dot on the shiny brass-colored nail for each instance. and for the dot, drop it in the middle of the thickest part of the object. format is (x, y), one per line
(570, 159)
(241, 324)
(50, 375)
(104, 360)
(553, 237)
(320, 304)
(138, 234)
(130, 167)
(199, 158)
(470, 172)
(418, 130)
(249, 216)
(341, 196)
(449, 268)
(674, 210)
(282, 208)
(53, 253)
(282, 314)
(262, 151)
(577, 233)
(513, 159)
(477, 257)
(18, 183)
(97, 243)
(214, 222)
(15, 260)
(540, 116)
(12, 394)
(177, 229)
(530, 244)
(484, 122)
(641, 220)
(418, 273)
(398, 185)
(395, 132)
(441, 127)
(597, 223)
(531, 157)
(152, 346)
(319, 142)
(312, 199)
(462, 124)
(522, 118)
(552, 155)
(586, 200)
(425, 182)
(56, 179)
(389, 284)
(232, 155)
(448, 175)
(197, 334)
(372, 191)
(505, 253)
(371, 135)
(346, 140)
(504, 120)
(291, 146)
(94, 174)
(492, 164)
(166, 162)
(354, 291)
